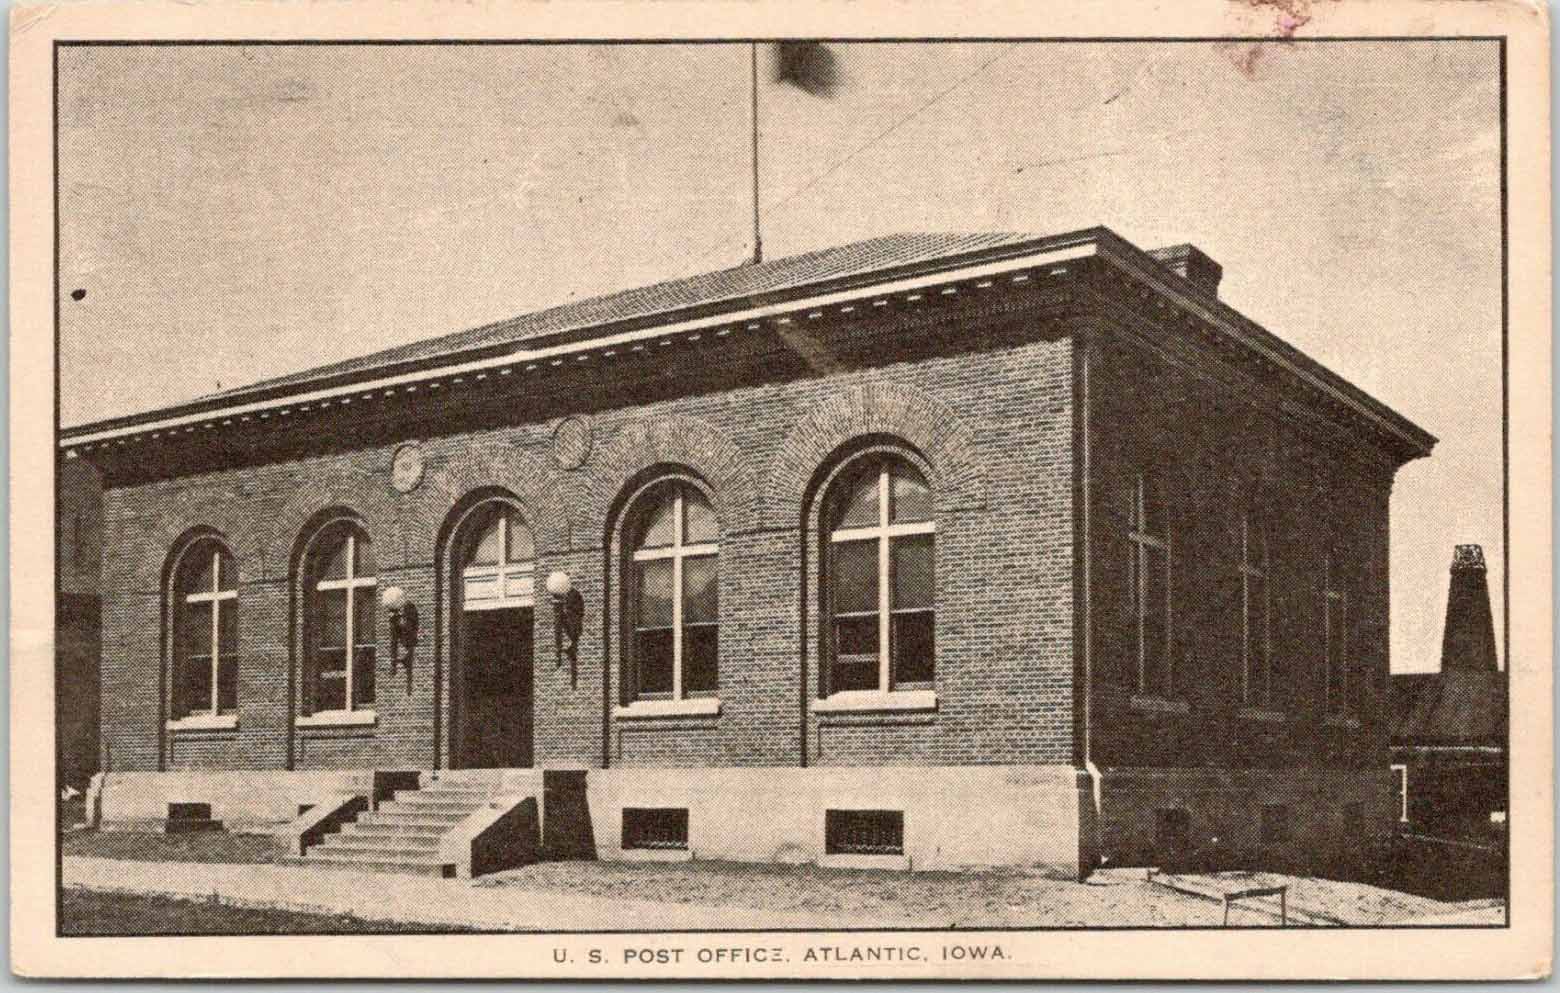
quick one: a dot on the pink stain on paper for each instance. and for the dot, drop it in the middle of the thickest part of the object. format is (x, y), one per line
(1292, 16)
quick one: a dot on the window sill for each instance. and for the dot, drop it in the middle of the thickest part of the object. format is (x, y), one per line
(1341, 721)
(868, 701)
(338, 718)
(1263, 714)
(1160, 705)
(699, 706)
(204, 722)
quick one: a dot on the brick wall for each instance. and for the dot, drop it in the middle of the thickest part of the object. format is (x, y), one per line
(78, 527)
(993, 428)
(78, 624)
(1219, 447)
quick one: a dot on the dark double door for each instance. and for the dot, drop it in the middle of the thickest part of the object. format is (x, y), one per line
(496, 683)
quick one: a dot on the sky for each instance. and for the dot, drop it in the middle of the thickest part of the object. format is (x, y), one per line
(236, 213)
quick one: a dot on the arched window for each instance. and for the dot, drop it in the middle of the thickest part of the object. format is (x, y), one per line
(673, 594)
(499, 560)
(880, 579)
(339, 609)
(205, 632)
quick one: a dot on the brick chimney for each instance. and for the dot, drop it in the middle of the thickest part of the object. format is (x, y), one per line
(1469, 641)
(1192, 265)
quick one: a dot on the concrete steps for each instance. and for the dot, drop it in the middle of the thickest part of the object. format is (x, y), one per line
(403, 834)
(353, 841)
(383, 824)
(369, 862)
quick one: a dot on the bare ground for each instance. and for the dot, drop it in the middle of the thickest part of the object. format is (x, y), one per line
(873, 897)
(144, 846)
(1113, 898)
(868, 898)
(89, 912)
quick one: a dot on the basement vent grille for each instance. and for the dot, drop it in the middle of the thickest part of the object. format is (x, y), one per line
(1353, 816)
(1172, 832)
(864, 832)
(661, 828)
(189, 811)
(1275, 823)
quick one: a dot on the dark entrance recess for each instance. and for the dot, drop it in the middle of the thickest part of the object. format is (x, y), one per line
(494, 718)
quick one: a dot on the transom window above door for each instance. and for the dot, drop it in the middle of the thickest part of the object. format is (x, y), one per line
(499, 569)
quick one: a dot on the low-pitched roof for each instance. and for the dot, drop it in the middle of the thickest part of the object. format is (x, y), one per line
(741, 285)
(1450, 707)
(757, 291)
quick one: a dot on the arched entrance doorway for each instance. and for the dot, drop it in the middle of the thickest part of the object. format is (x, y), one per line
(494, 619)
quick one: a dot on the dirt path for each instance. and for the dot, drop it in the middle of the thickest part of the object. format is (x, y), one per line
(607, 896)
(416, 899)
(602, 896)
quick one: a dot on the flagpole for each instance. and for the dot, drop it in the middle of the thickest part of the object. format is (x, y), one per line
(758, 242)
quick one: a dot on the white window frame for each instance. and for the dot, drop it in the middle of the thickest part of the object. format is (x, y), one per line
(1249, 571)
(504, 571)
(351, 583)
(1335, 600)
(679, 553)
(1402, 776)
(1142, 541)
(884, 532)
(214, 597)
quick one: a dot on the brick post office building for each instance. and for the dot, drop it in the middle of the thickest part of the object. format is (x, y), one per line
(937, 549)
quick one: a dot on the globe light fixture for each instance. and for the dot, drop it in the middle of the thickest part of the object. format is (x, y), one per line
(568, 621)
(403, 629)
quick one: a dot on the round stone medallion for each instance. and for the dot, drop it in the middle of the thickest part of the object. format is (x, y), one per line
(571, 442)
(406, 468)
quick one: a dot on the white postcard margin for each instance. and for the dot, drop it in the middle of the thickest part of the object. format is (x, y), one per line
(1523, 950)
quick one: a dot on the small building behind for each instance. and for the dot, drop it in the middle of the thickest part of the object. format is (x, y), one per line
(1449, 727)
(77, 621)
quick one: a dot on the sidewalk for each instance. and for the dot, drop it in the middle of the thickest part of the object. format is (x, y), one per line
(1319, 902)
(589, 896)
(1481, 913)
(418, 899)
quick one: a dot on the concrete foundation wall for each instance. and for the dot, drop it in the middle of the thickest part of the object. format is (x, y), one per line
(256, 800)
(953, 815)
(1225, 811)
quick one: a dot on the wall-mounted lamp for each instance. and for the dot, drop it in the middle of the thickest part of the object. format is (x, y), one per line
(568, 620)
(403, 629)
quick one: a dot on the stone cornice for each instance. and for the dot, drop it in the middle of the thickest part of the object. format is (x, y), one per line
(1167, 296)
(982, 282)
(997, 273)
